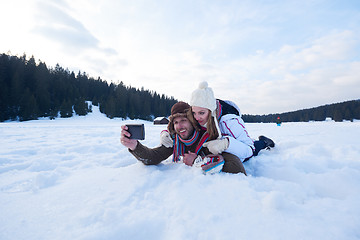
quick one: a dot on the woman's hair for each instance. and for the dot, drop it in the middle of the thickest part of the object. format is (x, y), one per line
(211, 127)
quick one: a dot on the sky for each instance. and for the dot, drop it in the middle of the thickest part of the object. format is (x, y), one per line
(266, 56)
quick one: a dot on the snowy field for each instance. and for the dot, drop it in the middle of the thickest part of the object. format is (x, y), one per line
(72, 179)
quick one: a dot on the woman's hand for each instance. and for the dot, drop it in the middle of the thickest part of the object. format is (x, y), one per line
(217, 146)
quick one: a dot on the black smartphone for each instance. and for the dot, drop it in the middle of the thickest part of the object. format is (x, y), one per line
(137, 131)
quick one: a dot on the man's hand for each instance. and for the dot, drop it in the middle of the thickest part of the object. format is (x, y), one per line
(189, 158)
(165, 139)
(125, 140)
(217, 146)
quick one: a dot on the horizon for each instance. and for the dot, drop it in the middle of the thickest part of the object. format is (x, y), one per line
(265, 57)
(139, 88)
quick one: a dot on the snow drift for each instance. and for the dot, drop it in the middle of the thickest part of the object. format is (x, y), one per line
(72, 179)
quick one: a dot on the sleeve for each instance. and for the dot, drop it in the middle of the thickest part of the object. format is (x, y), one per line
(151, 156)
(240, 143)
(239, 149)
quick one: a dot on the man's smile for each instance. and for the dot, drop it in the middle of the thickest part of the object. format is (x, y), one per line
(182, 132)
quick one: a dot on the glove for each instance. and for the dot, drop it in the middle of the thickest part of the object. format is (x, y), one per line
(165, 139)
(217, 146)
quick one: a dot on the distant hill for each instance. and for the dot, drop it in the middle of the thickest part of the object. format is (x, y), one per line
(348, 110)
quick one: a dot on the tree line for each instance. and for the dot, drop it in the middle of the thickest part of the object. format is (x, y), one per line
(30, 90)
(338, 112)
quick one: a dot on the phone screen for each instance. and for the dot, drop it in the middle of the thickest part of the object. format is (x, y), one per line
(137, 131)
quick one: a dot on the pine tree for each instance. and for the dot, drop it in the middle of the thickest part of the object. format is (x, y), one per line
(347, 115)
(110, 108)
(81, 107)
(338, 117)
(66, 110)
(28, 108)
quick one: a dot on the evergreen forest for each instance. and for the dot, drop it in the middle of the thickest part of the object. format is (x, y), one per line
(30, 90)
(338, 112)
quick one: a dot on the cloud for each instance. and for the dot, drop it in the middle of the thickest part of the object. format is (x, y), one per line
(63, 38)
(267, 57)
(334, 47)
(294, 76)
(320, 71)
(54, 22)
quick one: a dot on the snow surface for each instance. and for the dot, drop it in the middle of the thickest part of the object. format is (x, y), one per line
(72, 179)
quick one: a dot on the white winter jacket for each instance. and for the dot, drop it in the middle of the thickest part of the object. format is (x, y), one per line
(233, 127)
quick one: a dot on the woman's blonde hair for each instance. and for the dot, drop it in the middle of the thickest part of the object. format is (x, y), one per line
(211, 127)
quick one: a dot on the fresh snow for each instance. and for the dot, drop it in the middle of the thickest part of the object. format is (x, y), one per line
(72, 179)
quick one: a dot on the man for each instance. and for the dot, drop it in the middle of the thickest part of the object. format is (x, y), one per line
(186, 146)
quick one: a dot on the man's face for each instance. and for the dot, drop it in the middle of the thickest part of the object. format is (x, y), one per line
(183, 127)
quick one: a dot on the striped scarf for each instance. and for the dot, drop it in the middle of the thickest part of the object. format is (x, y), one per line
(180, 144)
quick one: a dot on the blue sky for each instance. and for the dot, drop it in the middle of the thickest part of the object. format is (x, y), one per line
(267, 56)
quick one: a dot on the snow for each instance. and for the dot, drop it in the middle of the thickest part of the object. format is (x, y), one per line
(72, 179)
(159, 118)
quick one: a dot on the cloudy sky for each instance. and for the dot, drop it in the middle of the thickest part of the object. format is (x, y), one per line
(267, 56)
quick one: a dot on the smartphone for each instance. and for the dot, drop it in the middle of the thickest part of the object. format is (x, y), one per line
(137, 131)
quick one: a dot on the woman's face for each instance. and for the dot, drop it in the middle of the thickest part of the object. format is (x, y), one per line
(200, 114)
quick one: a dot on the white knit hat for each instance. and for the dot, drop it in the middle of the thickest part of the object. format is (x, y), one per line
(203, 97)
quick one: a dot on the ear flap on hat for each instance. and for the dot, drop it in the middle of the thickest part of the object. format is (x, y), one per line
(170, 127)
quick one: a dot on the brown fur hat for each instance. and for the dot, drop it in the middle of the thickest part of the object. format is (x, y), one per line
(179, 109)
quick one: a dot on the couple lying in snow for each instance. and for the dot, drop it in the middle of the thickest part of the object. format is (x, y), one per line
(209, 133)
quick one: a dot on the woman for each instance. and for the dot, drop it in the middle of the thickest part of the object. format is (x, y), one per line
(223, 122)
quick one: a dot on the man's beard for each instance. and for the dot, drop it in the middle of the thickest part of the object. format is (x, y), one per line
(189, 133)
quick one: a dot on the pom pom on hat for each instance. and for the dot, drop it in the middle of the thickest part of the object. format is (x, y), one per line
(203, 97)
(203, 85)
